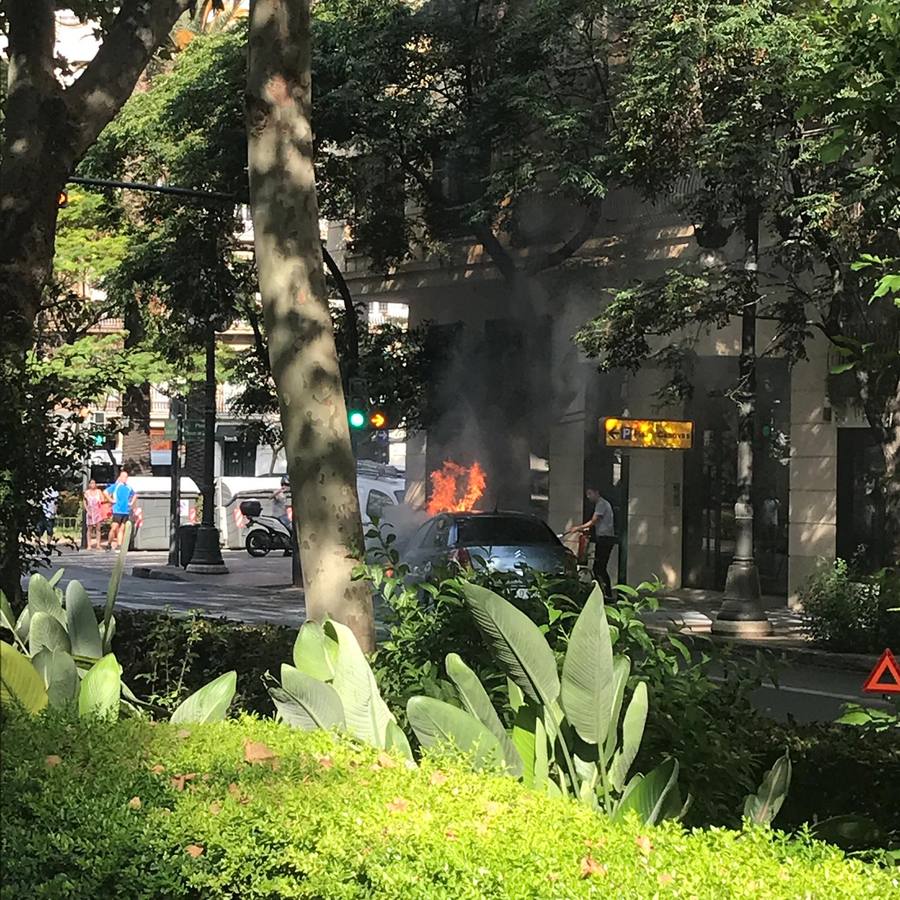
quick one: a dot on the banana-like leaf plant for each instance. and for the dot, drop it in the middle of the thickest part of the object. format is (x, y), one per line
(331, 685)
(569, 735)
(762, 807)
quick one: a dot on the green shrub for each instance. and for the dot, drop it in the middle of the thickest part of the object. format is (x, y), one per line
(852, 613)
(166, 657)
(127, 809)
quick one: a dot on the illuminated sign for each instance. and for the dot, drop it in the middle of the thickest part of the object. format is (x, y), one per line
(658, 434)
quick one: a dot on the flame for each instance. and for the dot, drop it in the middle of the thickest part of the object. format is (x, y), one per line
(455, 488)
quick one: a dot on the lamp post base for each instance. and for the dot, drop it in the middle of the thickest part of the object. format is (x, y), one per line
(207, 558)
(742, 614)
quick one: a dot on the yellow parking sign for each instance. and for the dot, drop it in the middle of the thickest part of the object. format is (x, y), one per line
(658, 434)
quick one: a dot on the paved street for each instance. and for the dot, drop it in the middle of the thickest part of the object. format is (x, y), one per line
(255, 590)
(258, 590)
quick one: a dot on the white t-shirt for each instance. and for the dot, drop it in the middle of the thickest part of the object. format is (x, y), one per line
(604, 526)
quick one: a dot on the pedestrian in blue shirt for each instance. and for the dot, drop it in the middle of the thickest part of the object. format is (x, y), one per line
(123, 498)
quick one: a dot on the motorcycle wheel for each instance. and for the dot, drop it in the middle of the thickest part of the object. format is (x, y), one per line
(258, 543)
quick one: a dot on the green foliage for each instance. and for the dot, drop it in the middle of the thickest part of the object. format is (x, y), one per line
(348, 825)
(66, 652)
(848, 612)
(762, 807)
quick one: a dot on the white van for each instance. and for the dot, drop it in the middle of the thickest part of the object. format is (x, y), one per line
(378, 487)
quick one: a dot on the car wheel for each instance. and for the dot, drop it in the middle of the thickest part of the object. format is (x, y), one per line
(258, 543)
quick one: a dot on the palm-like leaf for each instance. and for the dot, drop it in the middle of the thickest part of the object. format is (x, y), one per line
(438, 724)
(519, 647)
(305, 702)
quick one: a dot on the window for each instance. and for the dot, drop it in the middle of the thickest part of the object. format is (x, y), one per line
(487, 531)
(376, 503)
(400, 495)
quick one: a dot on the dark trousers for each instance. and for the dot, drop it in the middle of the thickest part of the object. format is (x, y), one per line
(602, 551)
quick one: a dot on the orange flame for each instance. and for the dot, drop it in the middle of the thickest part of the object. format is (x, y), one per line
(455, 488)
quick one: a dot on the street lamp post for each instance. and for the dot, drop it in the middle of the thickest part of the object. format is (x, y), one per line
(207, 556)
(741, 613)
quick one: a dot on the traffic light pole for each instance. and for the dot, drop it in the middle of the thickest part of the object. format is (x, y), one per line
(207, 558)
(175, 489)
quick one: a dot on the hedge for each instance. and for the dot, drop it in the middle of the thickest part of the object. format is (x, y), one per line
(252, 809)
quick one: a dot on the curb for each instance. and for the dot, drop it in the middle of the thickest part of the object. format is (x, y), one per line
(789, 653)
(157, 574)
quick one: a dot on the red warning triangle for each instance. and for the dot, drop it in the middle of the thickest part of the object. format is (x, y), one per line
(886, 668)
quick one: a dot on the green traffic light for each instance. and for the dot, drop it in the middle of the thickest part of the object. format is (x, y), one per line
(357, 419)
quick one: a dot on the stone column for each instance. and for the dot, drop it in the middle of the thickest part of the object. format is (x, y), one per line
(812, 523)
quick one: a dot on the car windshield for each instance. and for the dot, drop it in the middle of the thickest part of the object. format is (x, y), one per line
(399, 495)
(498, 531)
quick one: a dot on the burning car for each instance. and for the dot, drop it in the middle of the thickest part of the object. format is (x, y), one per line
(499, 541)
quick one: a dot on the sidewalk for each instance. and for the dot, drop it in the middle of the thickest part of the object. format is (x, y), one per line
(272, 572)
(691, 611)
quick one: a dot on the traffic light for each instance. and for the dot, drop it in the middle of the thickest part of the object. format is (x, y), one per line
(357, 403)
(378, 420)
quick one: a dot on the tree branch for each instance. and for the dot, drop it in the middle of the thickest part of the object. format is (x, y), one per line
(139, 28)
(572, 245)
(351, 362)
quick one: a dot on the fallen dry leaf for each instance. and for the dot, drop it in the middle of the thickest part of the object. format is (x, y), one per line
(215, 808)
(385, 761)
(644, 844)
(194, 850)
(398, 804)
(438, 778)
(326, 762)
(665, 878)
(53, 760)
(179, 781)
(553, 876)
(590, 867)
(158, 769)
(182, 733)
(258, 753)
(450, 834)
(134, 803)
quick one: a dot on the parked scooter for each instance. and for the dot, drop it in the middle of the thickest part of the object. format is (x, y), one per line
(267, 533)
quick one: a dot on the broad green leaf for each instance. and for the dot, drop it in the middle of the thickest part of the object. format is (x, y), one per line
(762, 807)
(305, 702)
(518, 645)
(541, 777)
(648, 795)
(516, 697)
(46, 631)
(100, 688)
(523, 738)
(210, 703)
(7, 616)
(20, 683)
(55, 578)
(587, 675)
(840, 368)
(475, 699)
(397, 741)
(60, 675)
(621, 671)
(365, 713)
(84, 632)
(438, 724)
(112, 590)
(632, 733)
(23, 624)
(315, 652)
(42, 597)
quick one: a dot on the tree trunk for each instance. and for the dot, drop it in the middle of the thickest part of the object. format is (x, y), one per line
(136, 450)
(890, 449)
(301, 341)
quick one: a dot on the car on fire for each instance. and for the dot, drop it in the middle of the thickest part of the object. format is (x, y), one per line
(497, 541)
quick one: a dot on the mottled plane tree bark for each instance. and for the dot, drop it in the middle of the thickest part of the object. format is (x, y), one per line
(301, 341)
(48, 126)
